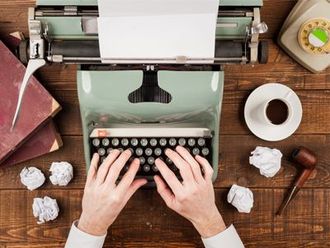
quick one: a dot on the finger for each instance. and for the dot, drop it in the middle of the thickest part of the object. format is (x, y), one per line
(117, 166)
(92, 169)
(207, 168)
(164, 191)
(185, 169)
(129, 176)
(136, 184)
(169, 176)
(195, 167)
(104, 168)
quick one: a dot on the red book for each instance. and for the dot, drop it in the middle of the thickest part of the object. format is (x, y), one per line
(37, 108)
(45, 141)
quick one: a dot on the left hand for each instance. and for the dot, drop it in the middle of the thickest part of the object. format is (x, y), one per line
(103, 200)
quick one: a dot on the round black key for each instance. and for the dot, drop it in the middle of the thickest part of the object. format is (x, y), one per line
(142, 160)
(134, 142)
(182, 141)
(109, 150)
(121, 149)
(148, 151)
(102, 159)
(153, 142)
(146, 168)
(124, 142)
(151, 160)
(201, 142)
(105, 142)
(195, 151)
(154, 168)
(101, 152)
(158, 151)
(172, 142)
(191, 142)
(115, 142)
(139, 151)
(96, 142)
(169, 161)
(162, 142)
(205, 151)
(144, 142)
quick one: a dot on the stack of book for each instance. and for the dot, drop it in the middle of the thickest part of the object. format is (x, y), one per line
(34, 133)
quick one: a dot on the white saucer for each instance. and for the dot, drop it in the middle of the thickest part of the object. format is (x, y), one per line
(269, 131)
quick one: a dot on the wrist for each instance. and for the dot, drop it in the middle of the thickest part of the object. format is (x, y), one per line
(211, 225)
(88, 226)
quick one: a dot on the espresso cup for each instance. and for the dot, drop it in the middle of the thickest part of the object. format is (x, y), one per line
(276, 111)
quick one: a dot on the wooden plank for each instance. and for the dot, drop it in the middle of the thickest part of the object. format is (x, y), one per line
(147, 219)
(234, 166)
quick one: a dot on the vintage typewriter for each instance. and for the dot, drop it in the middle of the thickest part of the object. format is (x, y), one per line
(145, 107)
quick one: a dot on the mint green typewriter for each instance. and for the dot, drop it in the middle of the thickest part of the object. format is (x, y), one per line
(146, 107)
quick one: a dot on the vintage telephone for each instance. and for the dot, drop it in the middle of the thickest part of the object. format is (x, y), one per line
(305, 35)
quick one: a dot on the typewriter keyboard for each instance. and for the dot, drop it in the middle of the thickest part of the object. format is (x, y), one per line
(148, 148)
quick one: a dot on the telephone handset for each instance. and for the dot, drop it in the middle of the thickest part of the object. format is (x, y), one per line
(305, 35)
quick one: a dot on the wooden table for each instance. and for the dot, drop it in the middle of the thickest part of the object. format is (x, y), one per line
(146, 222)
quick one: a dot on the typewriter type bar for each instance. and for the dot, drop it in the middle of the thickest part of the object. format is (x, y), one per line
(148, 144)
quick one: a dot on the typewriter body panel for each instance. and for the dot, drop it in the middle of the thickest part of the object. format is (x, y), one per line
(187, 96)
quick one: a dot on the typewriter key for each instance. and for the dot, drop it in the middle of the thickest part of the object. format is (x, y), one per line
(109, 150)
(201, 142)
(102, 159)
(205, 151)
(153, 142)
(191, 142)
(121, 149)
(154, 168)
(162, 142)
(158, 151)
(151, 160)
(115, 142)
(144, 142)
(169, 161)
(134, 142)
(146, 168)
(182, 141)
(195, 151)
(139, 151)
(124, 142)
(172, 142)
(142, 160)
(101, 152)
(105, 142)
(96, 142)
(148, 151)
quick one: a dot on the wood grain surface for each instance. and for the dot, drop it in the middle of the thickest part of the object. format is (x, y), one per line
(146, 221)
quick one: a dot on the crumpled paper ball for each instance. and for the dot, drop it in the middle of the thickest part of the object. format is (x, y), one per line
(62, 173)
(267, 160)
(241, 198)
(32, 178)
(45, 209)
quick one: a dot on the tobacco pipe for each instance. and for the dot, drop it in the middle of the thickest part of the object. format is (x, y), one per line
(307, 159)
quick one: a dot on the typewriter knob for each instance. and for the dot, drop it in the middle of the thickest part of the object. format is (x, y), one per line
(96, 142)
(115, 142)
(162, 142)
(182, 141)
(172, 142)
(144, 142)
(153, 142)
(134, 142)
(105, 142)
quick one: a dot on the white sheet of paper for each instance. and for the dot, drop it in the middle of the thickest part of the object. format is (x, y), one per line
(156, 30)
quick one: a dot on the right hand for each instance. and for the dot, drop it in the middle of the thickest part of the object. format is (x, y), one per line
(193, 198)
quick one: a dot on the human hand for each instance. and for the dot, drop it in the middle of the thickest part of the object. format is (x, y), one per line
(103, 200)
(193, 198)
